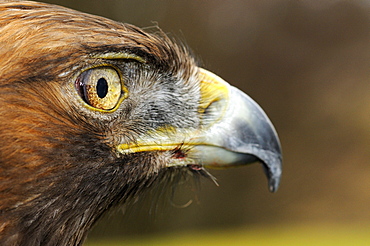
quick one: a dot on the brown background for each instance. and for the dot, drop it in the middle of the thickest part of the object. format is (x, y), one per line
(307, 64)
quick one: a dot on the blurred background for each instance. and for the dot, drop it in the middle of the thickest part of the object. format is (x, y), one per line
(307, 63)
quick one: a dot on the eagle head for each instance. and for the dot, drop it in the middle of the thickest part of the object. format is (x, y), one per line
(93, 111)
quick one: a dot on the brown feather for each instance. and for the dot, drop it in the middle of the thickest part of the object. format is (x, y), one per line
(58, 173)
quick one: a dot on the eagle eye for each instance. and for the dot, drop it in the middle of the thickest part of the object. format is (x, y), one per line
(100, 87)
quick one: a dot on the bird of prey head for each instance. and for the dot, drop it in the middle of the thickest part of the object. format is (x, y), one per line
(93, 111)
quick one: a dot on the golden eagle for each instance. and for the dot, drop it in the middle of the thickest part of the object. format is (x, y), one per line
(93, 111)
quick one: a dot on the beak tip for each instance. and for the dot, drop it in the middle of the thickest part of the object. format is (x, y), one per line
(273, 185)
(273, 173)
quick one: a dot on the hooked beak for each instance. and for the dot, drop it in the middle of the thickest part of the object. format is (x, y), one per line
(234, 131)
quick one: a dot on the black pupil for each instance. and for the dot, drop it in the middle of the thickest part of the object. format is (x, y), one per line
(102, 87)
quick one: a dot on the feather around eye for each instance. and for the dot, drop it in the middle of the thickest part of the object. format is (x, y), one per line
(100, 87)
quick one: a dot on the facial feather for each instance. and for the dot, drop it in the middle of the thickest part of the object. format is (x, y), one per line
(52, 141)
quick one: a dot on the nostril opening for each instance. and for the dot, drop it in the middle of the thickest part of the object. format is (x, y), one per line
(213, 111)
(210, 108)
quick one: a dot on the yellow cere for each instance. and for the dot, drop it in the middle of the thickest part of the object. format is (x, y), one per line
(214, 94)
(212, 88)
